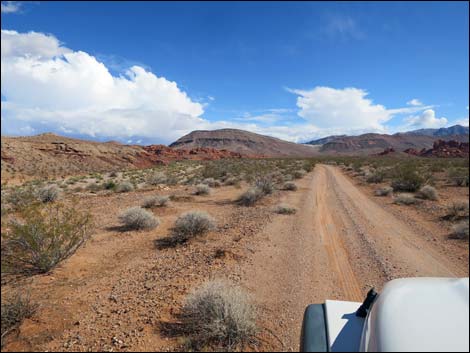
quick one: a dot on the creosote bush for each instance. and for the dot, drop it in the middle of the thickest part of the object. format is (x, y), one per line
(43, 237)
(125, 186)
(190, 225)
(290, 186)
(407, 179)
(405, 199)
(219, 315)
(385, 191)
(49, 193)
(285, 209)
(250, 197)
(155, 201)
(137, 218)
(375, 177)
(15, 309)
(202, 189)
(428, 192)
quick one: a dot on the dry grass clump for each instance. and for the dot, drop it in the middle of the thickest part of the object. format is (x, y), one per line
(457, 210)
(202, 189)
(42, 238)
(49, 193)
(290, 186)
(460, 230)
(137, 218)
(125, 186)
(14, 310)
(285, 209)
(155, 201)
(219, 315)
(405, 199)
(428, 192)
(385, 191)
(250, 197)
(458, 176)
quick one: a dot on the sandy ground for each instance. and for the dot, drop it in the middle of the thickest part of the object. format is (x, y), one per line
(112, 294)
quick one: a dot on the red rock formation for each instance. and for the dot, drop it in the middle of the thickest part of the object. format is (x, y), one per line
(386, 151)
(443, 149)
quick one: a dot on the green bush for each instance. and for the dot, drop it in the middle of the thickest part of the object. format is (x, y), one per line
(458, 176)
(406, 178)
(44, 237)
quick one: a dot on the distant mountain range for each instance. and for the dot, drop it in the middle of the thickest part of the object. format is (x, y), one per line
(442, 132)
(375, 143)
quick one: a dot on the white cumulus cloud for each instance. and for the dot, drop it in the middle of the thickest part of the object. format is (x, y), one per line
(426, 120)
(414, 102)
(45, 83)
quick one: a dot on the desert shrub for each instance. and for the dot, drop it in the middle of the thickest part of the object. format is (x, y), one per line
(155, 201)
(375, 177)
(231, 181)
(190, 225)
(209, 181)
(157, 178)
(93, 188)
(406, 178)
(427, 192)
(113, 174)
(20, 198)
(460, 230)
(405, 199)
(285, 209)
(308, 166)
(457, 209)
(125, 186)
(219, 314)
(44, 237)
(250, 197)
(202, 189)
(14, 310)
(49, 193)
(385, 191)
(298, 174)
(266, 185)
(458, 176)
(138, 218)
(109, 185)
(289, 185)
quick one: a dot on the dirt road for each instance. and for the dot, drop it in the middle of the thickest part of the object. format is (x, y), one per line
(338, 245)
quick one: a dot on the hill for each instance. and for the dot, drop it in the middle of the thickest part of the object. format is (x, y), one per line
(244, 142)
(48, 155)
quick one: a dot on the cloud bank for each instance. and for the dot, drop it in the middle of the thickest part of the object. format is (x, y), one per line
(49, 87)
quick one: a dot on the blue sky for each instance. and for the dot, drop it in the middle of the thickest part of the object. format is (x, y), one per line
(150, 72)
